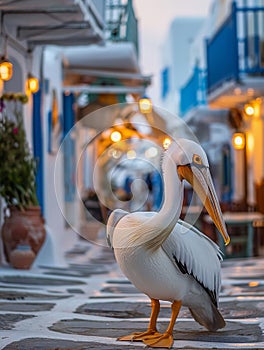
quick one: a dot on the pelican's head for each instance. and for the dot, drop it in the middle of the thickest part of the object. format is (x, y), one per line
(192, 165)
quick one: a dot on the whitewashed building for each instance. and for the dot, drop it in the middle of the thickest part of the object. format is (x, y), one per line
(53, 41)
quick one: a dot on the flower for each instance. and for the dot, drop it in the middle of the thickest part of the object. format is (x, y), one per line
(18, 166)
(2, 105)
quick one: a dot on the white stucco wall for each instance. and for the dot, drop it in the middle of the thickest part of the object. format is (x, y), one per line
(176, 55)
(62, 238)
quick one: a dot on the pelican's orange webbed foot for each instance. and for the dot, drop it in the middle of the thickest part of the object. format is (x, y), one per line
(152, 330)
(165, 340)
(159, 341)
(139, 336)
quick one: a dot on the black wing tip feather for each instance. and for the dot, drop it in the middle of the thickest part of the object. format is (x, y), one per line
(184, 270)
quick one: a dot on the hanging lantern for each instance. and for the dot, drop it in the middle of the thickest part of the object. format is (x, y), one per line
(249, 110)
(32, 84)
(6, 69)
(238, 140)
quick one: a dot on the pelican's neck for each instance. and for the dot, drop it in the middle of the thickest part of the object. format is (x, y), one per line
(160, 225)
(173, 192)
(155, 229)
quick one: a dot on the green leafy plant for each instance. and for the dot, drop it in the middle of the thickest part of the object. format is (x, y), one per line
(17, 164)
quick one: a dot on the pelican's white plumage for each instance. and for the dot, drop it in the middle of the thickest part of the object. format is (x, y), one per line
(167, 258)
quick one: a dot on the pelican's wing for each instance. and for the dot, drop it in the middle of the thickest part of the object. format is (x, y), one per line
(195, 254)
(112, 221)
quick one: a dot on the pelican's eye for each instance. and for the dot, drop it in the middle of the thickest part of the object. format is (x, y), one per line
(197, 159)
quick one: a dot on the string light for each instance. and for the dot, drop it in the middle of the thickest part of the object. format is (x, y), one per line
(131, 154)
(145, 105)
(115, 136)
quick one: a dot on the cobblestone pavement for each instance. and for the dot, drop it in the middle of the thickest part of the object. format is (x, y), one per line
(90, 303)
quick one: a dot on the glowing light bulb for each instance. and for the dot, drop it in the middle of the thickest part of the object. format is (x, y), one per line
(32, 84)
(116, 136)
(131, 154)
(116, 154)
(151, 152)
(6, 70)
(145, 105)
(249, 110)
(238, 140)
(166, 143)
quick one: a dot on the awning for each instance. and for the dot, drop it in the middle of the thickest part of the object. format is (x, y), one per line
(117, 57)
(53, 22)
(86, 67)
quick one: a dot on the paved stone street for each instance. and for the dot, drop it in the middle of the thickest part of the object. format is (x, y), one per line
(89, 304)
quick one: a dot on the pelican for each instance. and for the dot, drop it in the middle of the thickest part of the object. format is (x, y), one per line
(166, 258)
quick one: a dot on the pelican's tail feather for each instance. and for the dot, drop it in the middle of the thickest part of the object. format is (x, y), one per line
(210, 317)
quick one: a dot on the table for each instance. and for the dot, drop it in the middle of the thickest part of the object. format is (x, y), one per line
(241, 219)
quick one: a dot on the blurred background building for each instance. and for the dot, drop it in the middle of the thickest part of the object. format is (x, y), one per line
(217, 88)
(218, 91)
(86, 57)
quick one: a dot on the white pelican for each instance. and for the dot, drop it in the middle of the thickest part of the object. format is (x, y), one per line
(167, 258)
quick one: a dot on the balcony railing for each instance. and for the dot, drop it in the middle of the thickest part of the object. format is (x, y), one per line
(121, 22)
(237, 47)
(193, 94)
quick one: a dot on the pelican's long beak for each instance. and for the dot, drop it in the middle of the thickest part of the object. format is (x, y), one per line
(201, 181)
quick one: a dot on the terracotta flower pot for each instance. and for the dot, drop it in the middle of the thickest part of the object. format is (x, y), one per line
(23, 228)
(22, 257)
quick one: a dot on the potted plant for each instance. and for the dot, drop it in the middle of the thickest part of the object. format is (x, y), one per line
(23, 231)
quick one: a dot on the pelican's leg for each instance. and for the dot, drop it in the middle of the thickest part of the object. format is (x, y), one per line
(152, 330)
(165, 340)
